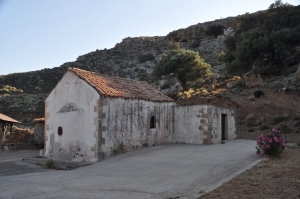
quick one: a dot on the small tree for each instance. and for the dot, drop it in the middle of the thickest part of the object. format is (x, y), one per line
(173, 45)
(185, 64)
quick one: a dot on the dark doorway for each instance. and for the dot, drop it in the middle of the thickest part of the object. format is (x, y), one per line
(224, 127)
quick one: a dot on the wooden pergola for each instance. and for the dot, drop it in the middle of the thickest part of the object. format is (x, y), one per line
(7, 122)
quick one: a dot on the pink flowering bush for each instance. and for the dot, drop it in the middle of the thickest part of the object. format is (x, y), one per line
(270, 145)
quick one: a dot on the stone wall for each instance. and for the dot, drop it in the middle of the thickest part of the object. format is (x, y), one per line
(202, 124)
(38, 132)
(124, 125)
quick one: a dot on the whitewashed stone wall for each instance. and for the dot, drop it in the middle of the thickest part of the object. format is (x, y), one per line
(72, 105)
(202, 124)
(125, 125)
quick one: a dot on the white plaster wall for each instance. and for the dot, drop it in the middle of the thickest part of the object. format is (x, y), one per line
(72, 105)
(201, 124)
(125, 125)
(187, 124)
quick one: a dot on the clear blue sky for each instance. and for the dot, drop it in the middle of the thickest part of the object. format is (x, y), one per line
(37, 34)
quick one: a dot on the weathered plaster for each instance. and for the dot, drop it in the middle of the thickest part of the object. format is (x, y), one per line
(125, 125)
(201, 124)
(71, 105)
(95, 127)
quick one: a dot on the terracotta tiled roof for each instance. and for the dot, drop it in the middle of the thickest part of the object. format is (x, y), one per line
(7, 119)
(119, 87)
(42, 119)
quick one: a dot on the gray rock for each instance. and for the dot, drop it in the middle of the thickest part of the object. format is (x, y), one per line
(297, 74)
(211, 88)
(116, 67)
(232, 84)
(149, 71)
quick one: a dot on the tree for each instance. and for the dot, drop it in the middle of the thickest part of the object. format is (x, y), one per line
(264, 41)
(185, 64)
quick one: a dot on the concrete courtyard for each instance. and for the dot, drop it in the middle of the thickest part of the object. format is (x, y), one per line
(160, 172)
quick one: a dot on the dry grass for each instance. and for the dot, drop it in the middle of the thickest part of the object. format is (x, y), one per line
(274, 178)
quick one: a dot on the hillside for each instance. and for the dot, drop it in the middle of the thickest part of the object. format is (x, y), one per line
(22, 95)
(132, 58)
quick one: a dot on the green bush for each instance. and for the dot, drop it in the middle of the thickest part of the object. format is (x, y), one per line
(146, 57)
(250, 124)
(10, 89)
(264, 127)
(250, 117)
(49, 164)
(221, 56)
(195, 44)
(173, 45)
(285, 129)
(251, 130)
(297, 118)
(297, 124)
(277, 120)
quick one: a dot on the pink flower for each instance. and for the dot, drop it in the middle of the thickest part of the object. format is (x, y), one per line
(269, 140)
(261, 137)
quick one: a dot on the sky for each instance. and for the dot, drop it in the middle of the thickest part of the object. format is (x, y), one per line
(38, 34)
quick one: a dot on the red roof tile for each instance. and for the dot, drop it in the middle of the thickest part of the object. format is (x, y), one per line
(119, 87)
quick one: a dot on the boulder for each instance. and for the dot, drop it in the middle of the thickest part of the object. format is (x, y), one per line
(232, 84)
(297, 74)
(289, 83)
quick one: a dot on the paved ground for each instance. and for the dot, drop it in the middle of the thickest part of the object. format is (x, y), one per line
(166, 171)
(11, 163)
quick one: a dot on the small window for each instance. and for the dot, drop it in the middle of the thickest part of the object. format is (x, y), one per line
(152, 122)
(59, 131)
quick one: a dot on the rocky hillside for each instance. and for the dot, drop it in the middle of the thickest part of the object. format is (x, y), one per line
(131, 58)
(22, 95)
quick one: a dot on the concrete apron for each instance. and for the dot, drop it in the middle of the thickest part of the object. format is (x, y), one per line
(165, 171)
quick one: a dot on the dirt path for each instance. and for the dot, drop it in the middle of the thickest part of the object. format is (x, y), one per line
(274, 178)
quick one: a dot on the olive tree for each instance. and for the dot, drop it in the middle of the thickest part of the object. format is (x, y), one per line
(187, 65)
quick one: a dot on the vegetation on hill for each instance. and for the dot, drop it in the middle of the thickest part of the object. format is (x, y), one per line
(265, 42)
(187, 65)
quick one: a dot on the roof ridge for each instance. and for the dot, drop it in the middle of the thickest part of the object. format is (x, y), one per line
(110, 86)
(104, 75)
